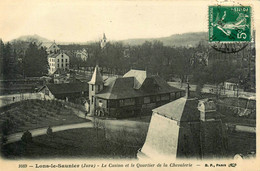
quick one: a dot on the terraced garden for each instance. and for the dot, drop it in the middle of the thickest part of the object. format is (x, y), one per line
(31, 114)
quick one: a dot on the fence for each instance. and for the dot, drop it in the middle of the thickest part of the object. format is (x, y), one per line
(207, 88)
(9, 99)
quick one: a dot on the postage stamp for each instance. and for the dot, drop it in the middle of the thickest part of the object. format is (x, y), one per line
(229, 23)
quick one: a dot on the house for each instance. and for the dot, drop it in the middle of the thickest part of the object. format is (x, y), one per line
(64, 91)
(82, 54)
(61, 76)
(134, 93)
(51, 47)
(58, 60)
(231, 84)
(185, 128)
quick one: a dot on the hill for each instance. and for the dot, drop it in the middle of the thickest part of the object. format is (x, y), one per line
(31, 38)
(186, 39)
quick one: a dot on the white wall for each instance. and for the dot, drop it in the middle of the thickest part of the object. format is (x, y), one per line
(162, 138)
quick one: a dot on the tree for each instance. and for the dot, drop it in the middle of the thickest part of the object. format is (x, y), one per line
(26, 137)
(35, 62)
(9, 61)
(1, 56)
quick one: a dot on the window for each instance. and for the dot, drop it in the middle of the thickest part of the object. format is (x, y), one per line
(92, 99)
(61, 55)
(57, 60)
(46, 92)
(153, 99)
(62, 65)
(158, 98)
(92, 87)
(129, 102)
(172, 95)
(165, 97)
(100, 103)
(61, 60)
(98, 87)
(147, 100)
(66, 60)
(121, 102)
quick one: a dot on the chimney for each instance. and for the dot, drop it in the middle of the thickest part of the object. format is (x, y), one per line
(207, 109)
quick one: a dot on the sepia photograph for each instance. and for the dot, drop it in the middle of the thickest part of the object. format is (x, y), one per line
(128, 81)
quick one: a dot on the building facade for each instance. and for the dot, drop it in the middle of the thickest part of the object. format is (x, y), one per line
(82, 54)
(134, 93)
(53, 48)
(58, 61)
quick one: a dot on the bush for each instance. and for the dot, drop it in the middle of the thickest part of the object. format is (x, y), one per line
(7, 126)
(3, 139)
(27, 137)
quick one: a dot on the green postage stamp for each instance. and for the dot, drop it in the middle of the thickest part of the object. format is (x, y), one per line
(229, 23)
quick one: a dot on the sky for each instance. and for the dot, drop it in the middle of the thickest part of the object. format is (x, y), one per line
(83, 20)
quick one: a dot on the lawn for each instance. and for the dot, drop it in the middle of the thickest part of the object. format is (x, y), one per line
(31, 114)
(76, 143)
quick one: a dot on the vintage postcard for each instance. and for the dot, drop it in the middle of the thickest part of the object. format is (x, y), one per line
(114, 85)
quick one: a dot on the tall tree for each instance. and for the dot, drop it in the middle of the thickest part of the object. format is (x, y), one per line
(35, 61)
(9, 62)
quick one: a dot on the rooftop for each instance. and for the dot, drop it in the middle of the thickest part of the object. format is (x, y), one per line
(96, 77)
(182, 109)
(67, 88)
(124, 87)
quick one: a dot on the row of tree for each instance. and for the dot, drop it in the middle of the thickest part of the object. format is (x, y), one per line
(200, 64)
(18, 62)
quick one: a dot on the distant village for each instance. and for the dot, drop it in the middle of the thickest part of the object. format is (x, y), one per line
(150, 100)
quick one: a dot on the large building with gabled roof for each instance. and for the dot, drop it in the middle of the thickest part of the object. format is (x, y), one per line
(135, 93)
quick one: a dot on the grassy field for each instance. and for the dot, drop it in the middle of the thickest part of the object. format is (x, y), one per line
(85, 142)
(31, 114)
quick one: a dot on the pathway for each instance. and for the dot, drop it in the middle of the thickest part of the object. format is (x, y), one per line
(42, 131)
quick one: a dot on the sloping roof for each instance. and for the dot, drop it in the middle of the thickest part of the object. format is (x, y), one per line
(122, 88)
(53, 55)
(67, 88)
(182, 109)
(54, 44)
(139, 76)
(60, 71)
(46, 44)
(71, 47)
(232, 80)
(96, 77)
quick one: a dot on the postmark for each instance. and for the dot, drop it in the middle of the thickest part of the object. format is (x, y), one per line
(229, 23)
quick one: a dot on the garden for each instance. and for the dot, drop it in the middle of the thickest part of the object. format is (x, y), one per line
(31, 114)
